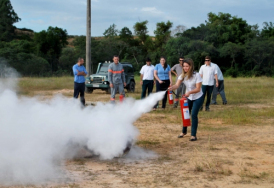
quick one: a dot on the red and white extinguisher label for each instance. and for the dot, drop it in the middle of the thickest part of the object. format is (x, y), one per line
(186, 113)
(170, 96)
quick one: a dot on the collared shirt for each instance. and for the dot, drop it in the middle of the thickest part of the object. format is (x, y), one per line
(208, 72)
(191, 84)
(178, 69)
(78, 78)
(163, 74)
(147, 72)
(219, 72)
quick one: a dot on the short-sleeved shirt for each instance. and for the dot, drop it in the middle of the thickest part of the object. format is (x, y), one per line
(208, 72)
(78, 78)
(191, 84)
(178, 69)
(219, 72)
(147, 72)
(163, 74)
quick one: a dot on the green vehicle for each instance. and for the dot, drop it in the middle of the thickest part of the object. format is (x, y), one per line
(100, 79)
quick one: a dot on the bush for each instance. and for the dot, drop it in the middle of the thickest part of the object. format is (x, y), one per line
(232, 72)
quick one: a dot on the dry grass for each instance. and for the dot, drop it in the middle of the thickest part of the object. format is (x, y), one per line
(234, 148)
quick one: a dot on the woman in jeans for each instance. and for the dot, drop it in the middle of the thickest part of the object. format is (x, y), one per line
(162, 74)
(193, 83)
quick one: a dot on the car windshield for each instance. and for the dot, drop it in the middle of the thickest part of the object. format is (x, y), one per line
(103, 69)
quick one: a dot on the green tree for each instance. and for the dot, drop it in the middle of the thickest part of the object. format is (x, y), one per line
(259, 53)
(162, 35)
(232, 51)
(268, 30)
(196, 33)
(19, 54)
(7, 18)
(198, 50)
(111, 31)
(226, 28)
(50, 43)
(79, 45)
(175, 48)
(140, 30)
(126, 35)
(68, 58)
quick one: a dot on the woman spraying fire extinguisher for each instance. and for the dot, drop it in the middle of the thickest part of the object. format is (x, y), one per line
(193, 83)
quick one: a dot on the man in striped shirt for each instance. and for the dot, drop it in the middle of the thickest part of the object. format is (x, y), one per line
(116, 78)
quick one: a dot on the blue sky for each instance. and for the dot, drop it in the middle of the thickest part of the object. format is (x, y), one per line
(38, 15)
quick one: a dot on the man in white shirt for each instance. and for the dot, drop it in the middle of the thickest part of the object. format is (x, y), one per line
(208, 72)
(177, 70)
(147, 78)
(220, 89)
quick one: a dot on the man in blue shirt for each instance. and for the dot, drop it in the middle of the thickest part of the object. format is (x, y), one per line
(79, 72)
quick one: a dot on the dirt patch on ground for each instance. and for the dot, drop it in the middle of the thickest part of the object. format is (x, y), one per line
(224, 155)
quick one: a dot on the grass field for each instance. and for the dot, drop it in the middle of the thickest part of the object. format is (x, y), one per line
(235, 146)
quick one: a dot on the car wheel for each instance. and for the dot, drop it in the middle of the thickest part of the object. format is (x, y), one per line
(88, 90)
(131, 87)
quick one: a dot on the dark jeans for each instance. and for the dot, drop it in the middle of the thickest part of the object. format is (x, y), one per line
(162, 87)
(207, 91)
(194, 107)
(79, 88)
(147, 87)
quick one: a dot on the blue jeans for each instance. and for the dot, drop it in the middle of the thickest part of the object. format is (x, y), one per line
(194, 108)
(220, 89)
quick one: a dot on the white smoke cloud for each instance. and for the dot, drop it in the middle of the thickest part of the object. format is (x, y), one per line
(36, 137)
(8, 76)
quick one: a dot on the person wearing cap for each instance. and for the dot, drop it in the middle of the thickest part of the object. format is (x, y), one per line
(208, 72)
(220, 89)
(177, 70)
(147, 78)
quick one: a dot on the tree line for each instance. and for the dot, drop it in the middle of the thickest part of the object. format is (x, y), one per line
(238, 48)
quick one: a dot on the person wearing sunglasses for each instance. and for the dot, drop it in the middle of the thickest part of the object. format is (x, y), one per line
(177, 70)
(208, 72)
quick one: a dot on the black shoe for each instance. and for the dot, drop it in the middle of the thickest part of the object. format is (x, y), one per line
(224, 103)
(193, 139)
(214, 103)
(181, 135)
(207, 109)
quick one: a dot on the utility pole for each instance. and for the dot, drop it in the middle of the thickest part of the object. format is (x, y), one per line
(88, 39)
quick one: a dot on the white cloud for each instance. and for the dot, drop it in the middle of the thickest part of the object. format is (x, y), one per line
(151, 10)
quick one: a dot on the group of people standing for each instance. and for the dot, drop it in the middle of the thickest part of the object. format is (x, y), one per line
(193, 85)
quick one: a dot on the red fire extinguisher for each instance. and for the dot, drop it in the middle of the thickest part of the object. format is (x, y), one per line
(121, 98)
(185, 111)
(170, 97)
